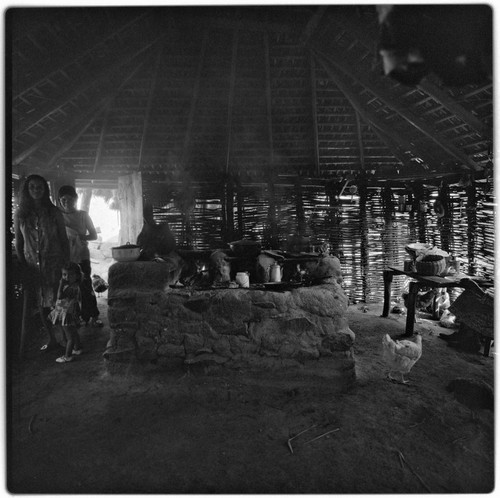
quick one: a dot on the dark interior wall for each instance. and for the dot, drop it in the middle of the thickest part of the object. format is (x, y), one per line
(365, 231)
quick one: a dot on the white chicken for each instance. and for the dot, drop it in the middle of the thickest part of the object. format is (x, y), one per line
(400, 356)
(442, 301)
(447, 320)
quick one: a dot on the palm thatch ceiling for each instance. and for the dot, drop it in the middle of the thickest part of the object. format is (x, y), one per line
(255, 93)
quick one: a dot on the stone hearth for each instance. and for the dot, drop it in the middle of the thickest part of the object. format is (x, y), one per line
(304, 328)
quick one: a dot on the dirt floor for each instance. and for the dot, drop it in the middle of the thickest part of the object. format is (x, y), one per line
(95, 427)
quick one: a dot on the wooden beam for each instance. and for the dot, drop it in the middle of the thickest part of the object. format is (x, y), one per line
(104, 129)
(455, 108)
(72, 59)
(63, 127)
(483, 88)
(72, 142)
(230, 103)
(194, 99)
(240, 24)
(269, 113)
(152, 88)
(394, 147)
(360, 142)
(46, 111)
(314, 111)
(341, 64)
(400, 143)
(440, 96)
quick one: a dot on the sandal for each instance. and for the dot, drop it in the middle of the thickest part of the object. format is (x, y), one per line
(64, 359)
(49, 347)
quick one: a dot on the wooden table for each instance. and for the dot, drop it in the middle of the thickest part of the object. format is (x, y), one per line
(419, 282)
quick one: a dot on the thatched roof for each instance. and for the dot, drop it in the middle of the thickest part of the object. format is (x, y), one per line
(253, 92)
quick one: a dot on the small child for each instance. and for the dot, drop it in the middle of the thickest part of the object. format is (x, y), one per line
(66, 312)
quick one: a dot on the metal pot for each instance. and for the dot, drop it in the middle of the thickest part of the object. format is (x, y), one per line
(128, 252)
(245, 248)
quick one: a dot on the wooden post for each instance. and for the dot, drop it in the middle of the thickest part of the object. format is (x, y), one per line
(412, 301)
(272, 230)
(85, 199)
(229, 210)
(422, 219)
(223, 202)
(388, 274)
(299, 207)
(471, 227)
(444, 223)
(365, 267)
(239, 200)
(189, 231)
(331, 190)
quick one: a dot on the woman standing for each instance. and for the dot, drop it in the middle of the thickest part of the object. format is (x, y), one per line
(42, 249)
(80, 229)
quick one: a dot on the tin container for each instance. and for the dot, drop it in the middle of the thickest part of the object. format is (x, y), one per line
(243, 279)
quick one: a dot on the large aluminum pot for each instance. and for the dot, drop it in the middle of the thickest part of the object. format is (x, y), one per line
(128, 252)
(245, 248)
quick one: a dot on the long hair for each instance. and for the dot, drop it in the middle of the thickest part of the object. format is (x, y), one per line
(74, 268)
(26, 203)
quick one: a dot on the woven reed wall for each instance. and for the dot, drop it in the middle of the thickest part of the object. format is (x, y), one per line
(366, 231)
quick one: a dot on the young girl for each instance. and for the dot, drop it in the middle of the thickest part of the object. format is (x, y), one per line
(67, 310)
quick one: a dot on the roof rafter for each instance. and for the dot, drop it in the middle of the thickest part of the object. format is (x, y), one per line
(230, 104)
(446, 101)
(360, 141)
(440, 96)
(77, 120)
(398, 143)
(340, 63)
(46, 111)
(194, 98)
(152, 89)
(102, 136)
(314, 104)
(269, 114)
(73, 140)
(77, 58)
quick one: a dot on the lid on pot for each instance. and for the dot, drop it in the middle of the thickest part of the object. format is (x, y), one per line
(245, 243)
(127, 246)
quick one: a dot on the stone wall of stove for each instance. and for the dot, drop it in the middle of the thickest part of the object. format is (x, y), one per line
(304, 329)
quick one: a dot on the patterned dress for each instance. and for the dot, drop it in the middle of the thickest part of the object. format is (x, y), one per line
(43, 253)
(67, 308)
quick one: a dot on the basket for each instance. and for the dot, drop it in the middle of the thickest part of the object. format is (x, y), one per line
(413, 249)
(431, 265)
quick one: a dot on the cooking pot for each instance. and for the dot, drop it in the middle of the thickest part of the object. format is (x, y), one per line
(128, 252)
(245, 248)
